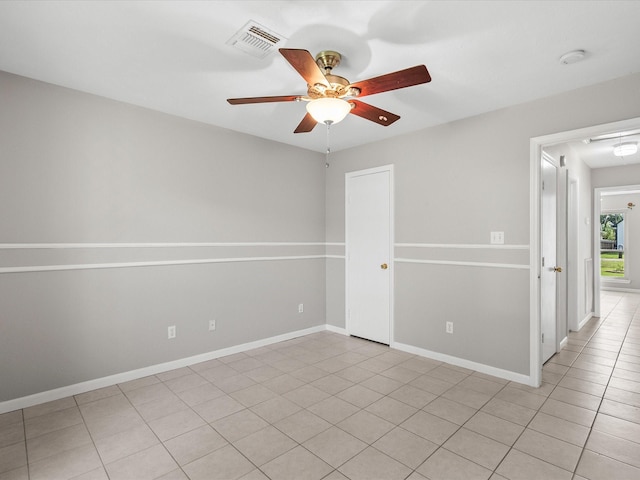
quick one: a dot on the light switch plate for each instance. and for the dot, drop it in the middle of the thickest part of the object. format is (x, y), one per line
(497, 238)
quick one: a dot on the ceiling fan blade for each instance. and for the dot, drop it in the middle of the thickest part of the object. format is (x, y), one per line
(305, 65)
(306, 125)
(393, 81)
(281, 98)
(375, 114)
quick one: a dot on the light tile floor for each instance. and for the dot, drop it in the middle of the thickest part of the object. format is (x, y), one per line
(334, 407)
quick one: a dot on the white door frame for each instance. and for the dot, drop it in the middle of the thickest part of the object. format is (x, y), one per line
(535, 152)
(368, 171)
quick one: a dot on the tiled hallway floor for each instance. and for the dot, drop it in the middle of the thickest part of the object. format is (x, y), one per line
(334, 407)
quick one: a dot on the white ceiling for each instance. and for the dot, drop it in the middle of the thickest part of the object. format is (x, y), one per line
(172, 56)
(597, 151)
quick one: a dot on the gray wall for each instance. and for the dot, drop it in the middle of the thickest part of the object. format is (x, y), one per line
(615, 176)
(454, 185)
(76, 168)
(580, 171)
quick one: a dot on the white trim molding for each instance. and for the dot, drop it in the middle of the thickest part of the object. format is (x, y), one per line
(46, 246)
(618, 289)
(464, 264)
(584, 321)
(339, 330)
(162, 263)
(89, 385)
(564, 342)
(613, 281)
(461, 362)
(463, 246)
(156, 263)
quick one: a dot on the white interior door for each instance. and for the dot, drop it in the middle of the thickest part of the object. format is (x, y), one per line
(548, 261)
(369, 266)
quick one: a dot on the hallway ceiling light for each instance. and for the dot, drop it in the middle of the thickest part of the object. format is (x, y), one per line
(624, 149)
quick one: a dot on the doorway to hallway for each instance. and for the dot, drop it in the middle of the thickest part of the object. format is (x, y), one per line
(576, 302)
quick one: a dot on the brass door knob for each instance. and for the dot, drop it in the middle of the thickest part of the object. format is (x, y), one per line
(557, 269)
(384, 266)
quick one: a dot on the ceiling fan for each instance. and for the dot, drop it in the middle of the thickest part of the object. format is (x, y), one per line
(330, 97)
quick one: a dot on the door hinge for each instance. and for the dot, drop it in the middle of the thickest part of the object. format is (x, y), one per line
(543, 338)
(543, 261)
(543, 185)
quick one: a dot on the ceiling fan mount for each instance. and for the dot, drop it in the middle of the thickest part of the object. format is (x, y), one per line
(339, 87)
(328, 60)
(323, 85)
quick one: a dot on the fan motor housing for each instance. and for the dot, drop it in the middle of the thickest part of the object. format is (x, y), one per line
(339, 86)
(328, 59)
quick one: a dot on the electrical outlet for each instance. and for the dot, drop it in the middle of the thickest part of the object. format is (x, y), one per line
(300, 308)
(449, 327)
(212, 325)
(171, 332)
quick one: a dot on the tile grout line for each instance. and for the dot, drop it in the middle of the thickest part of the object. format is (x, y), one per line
(608, 381)
(415, 470)
(460, 428)
(512, 447)
(369, 445)
(336, 469)
(26, 450)
(598, 328)
(154, 433)
(93, 442)
(209, 424)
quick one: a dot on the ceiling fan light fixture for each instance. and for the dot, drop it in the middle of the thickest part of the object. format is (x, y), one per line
(328, 110)
(624, 149)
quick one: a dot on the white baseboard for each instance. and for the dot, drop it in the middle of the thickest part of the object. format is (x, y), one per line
(585, 320)
(334, 329)
(563, 342)
(461, 362)
(616, 289)
(82, 387)
(78, 388)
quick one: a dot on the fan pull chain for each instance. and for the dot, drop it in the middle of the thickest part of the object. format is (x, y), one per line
(328, 153)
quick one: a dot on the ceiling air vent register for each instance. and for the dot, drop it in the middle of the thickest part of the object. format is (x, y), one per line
(255, 39)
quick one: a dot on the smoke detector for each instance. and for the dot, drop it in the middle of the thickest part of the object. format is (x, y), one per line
(572, 57)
